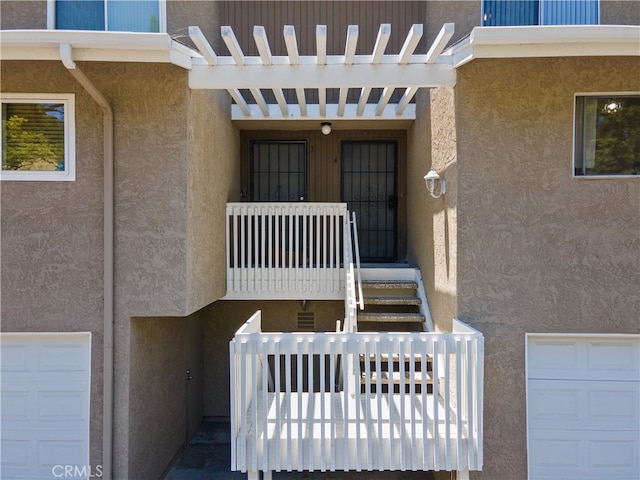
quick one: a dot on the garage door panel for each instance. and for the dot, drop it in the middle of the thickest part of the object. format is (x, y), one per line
(63, 357)
(62, 406)
(583, 406)
(562, 404)
(580, 359)
(45, 403)
(579, 454)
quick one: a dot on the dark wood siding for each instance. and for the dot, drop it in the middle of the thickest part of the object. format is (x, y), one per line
(323, 164)
(337, 15)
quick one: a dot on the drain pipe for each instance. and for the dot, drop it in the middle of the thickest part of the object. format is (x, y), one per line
(107, 115)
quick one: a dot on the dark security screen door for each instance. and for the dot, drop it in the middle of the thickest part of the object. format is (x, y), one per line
(369, 189)
(278, 171)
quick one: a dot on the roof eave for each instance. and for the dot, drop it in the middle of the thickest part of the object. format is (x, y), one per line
(547, 41)
(95, 46)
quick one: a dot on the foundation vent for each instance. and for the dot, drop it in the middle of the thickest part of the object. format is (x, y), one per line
(306, 321)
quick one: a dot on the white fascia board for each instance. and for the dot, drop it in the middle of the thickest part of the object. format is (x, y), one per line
(313, 113)
(95, 46)
(321, 76)
(547, 41)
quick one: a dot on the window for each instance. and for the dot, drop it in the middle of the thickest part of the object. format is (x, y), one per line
(112, 15)
(38, 137)
(607, 135)
(540, 12)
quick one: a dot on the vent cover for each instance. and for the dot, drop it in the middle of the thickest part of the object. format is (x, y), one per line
(306, 321)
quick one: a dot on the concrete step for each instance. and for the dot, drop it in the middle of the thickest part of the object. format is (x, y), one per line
(391, 300)
(418, 361)
(389, 284)
(390, 317)
(395, 377)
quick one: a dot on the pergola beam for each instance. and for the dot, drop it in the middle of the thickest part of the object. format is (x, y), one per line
(445, 34)
(352, 43)
(327, 76)
(200, 41)
(232, 44)
(410, 43)
(381, 43)
(321, 44)
(331, 114)
(291, 43)
(260, 37)
(302, 101)
(240, 101)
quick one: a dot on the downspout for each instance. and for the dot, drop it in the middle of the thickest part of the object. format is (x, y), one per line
(107, 115)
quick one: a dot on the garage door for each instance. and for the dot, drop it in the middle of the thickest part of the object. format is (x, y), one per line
(583, 406)
(45, 389)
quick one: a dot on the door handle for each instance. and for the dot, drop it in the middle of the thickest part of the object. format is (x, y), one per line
(189, 376)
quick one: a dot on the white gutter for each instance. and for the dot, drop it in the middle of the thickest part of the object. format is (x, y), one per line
(108, 286)
(547, 41)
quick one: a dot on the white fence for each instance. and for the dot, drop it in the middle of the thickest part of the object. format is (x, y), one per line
(285, 250)
(296, 406)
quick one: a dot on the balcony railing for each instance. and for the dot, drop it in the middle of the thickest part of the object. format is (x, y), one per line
(322, 401)
(286, 250)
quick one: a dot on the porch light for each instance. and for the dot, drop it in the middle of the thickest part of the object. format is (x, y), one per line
(432, 180)
(326, 128)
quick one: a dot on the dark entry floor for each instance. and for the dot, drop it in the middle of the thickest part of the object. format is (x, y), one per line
(208, 456)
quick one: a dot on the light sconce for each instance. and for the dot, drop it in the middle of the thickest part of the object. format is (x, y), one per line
(435, 184)
(326, 128)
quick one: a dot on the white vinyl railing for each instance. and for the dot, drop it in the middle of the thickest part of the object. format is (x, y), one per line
(289, 410)
(285, 250)
(353, 296)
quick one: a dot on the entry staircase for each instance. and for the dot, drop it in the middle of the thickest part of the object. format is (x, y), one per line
(383, 392)
(392, 303)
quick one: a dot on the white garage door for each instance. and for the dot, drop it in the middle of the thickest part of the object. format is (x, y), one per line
(45, 389)
(583, 406)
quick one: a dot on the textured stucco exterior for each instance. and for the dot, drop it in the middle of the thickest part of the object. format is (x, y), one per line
(432, 223)
(23, 14)
(173, 177)
(537, 250)
(51, 236)
(619, 12)
(162, 350)
(213, 180)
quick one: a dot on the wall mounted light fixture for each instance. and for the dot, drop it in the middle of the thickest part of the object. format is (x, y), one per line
(326, 128)
(435, 184)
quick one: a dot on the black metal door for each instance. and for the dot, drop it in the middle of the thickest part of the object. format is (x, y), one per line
(278, 171)
(369, 179)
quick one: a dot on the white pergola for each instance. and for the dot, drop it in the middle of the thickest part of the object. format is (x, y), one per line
(405, 71)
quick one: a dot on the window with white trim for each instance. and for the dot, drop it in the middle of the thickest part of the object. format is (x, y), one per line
(607, 135)
(111, 15)
(38, 137)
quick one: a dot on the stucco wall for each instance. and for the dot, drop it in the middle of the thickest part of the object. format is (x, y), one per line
(161, 353)
(222, 320)
(51, 236)
(465, 14)
(19, 14)
(213, 180)
(431, 226)
(538, 251)
(619, 12)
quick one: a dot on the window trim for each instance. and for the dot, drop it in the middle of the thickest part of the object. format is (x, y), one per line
(162, 8)
(576, 123)
(69, 173)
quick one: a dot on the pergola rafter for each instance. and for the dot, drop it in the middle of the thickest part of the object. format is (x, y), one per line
(406, 72)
